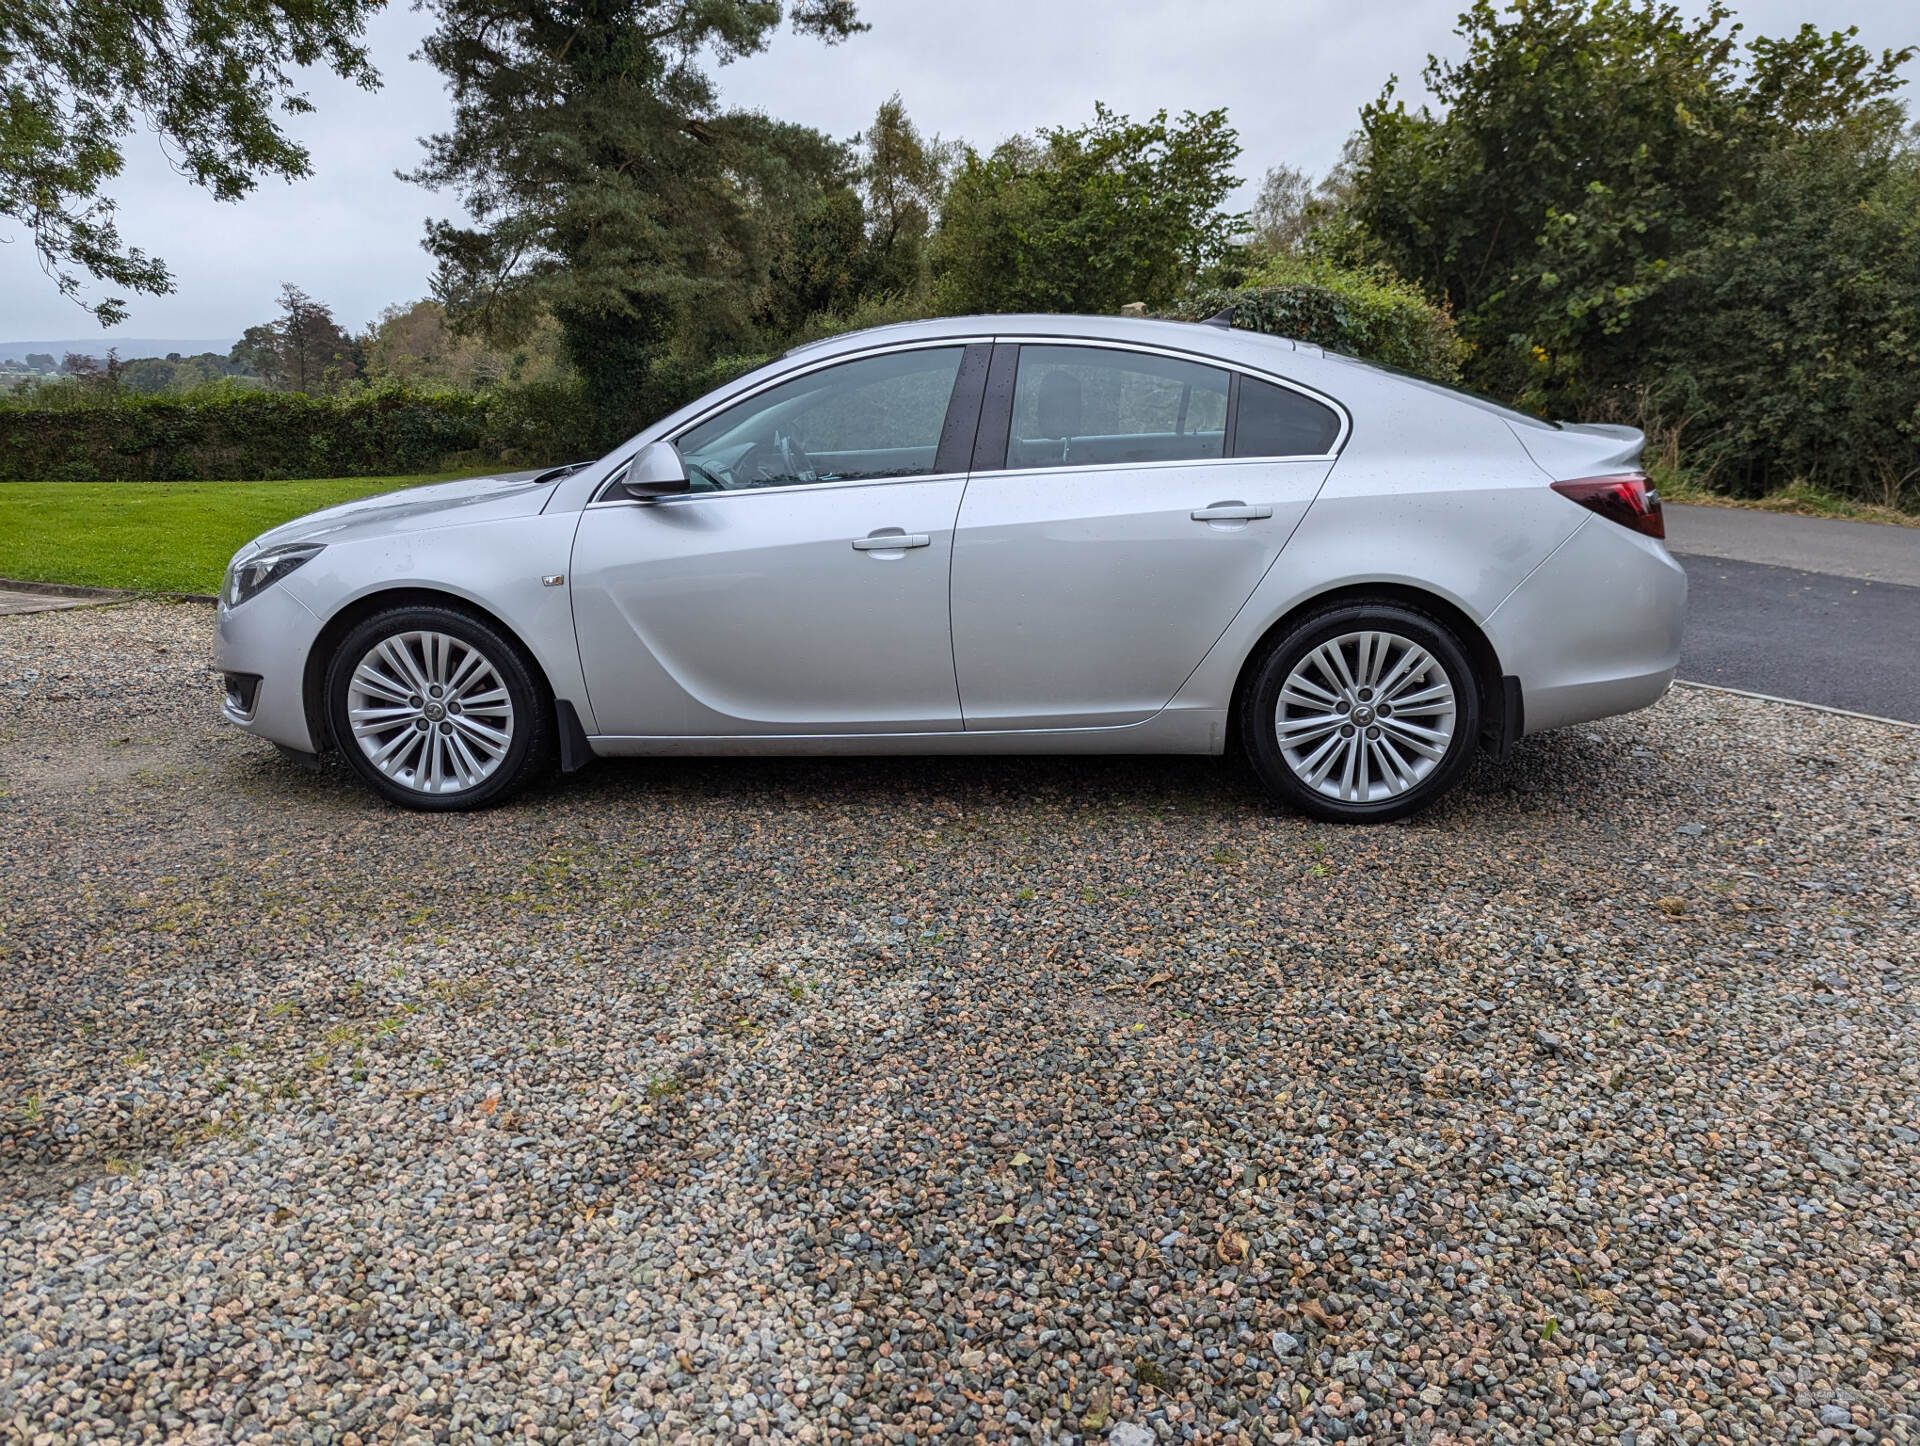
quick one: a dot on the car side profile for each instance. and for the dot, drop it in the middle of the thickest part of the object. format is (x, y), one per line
(1014, 534)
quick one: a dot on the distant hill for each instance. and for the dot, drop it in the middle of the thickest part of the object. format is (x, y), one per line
(128, 348)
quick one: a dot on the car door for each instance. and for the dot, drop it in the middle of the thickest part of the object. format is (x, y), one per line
(801, 587)
(1110, 531)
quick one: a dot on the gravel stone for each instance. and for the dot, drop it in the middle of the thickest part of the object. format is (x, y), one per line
(889, 1101)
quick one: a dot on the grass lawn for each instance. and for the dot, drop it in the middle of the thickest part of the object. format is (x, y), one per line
(155, 536)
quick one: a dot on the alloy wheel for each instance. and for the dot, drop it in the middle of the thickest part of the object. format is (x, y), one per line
(1365, 716)
(430, 711)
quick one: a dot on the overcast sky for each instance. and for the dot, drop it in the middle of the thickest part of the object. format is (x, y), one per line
(1291, 75)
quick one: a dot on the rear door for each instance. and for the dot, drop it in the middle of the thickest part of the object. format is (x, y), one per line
(1109, 533)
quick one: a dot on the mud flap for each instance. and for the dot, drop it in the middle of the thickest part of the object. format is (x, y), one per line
(574, 752)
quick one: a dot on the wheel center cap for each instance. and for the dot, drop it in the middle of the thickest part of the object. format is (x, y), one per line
(434, 711)
(1363, 716)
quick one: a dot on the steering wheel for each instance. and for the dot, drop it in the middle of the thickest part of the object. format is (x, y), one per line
(705, 478)
(795, 464)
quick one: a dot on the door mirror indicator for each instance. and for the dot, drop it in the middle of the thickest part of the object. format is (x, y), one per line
(656, 471)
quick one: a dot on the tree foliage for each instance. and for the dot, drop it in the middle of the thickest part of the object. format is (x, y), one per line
(414, 345)
(1087, 219)
(1580, 150)
(303, 350)
(602, 182)
(1370, 314)
(904, 177)
(1800, 358)
(211, 77)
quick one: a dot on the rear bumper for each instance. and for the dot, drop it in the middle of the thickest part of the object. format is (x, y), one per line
(1595, 630)
(268, 637)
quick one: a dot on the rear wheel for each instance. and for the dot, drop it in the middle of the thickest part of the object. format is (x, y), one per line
(1363, 713)
(437, 709)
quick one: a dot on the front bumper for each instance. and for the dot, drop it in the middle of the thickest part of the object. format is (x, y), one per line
(269, 637)
(1595, 630)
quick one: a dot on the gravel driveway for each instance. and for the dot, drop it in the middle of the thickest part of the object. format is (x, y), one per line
(910, 1100)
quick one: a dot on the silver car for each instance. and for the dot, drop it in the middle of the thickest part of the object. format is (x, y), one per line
(1012, 534)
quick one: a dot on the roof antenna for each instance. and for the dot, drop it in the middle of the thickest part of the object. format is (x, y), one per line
(1223, 318)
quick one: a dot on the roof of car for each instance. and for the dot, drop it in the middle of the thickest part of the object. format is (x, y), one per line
(1152, 331)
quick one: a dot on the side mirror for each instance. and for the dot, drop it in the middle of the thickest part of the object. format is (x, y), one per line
(655, 472)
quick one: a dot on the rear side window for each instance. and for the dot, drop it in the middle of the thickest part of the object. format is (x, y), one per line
(1076, 405)
(1274, 422)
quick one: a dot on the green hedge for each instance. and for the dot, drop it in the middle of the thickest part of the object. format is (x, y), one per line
(1371, 315)
(225, 435)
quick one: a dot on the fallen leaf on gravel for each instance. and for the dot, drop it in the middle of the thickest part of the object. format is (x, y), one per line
(1231, 1247)
(1671, 905)
(1312, 1310)
(1005, 1217)
(1022, 1158)
(488, 1106)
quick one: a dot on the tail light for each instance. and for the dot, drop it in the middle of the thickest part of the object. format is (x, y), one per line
(1629, 500)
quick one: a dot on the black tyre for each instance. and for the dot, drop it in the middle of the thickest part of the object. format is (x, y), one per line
(1363, 713)
(438, 710)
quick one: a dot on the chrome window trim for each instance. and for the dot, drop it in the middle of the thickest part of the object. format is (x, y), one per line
(1157, 466)
(957, 343)
(1201, 359)
(600, 500)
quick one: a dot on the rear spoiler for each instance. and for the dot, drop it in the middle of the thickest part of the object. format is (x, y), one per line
(1582, 449)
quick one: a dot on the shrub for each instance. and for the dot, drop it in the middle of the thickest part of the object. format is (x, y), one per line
(67, 434)
(1370, 314)
(1800, 360)
(237, 435)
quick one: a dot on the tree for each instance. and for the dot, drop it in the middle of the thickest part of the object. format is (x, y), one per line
(257, 353)
(599, 178)
(416, 346)
(1580, 149)
(1087, 219)
(41, 361)
(303, 351)
(1294, 215)
(820, 261)
(210, 76)
(1801, 358)
(904, 176)
(1281, 220)
(93, 373)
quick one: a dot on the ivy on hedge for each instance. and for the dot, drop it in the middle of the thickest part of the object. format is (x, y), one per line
(221, 434)
(1375, 317)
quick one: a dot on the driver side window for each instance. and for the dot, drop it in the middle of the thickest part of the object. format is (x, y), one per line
(877, 417)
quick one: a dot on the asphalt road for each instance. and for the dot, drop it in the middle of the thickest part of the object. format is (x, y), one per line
(1798, 607)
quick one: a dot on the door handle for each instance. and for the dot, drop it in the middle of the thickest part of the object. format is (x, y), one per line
(890, 541)
(1231, 512)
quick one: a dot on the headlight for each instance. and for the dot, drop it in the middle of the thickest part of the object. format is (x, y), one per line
(264, 569)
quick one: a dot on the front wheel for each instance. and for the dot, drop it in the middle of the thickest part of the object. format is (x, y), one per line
(437, 710)
(1363, 713)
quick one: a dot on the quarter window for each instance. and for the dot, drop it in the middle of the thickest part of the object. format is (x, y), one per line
(1078, 406)
(1274, 422)
(877, 417)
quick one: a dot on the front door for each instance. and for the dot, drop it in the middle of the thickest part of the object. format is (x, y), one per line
(802, 586)
(1105, 553)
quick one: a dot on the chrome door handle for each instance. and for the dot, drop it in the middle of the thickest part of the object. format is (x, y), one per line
(1231, 512)
(890, 541)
